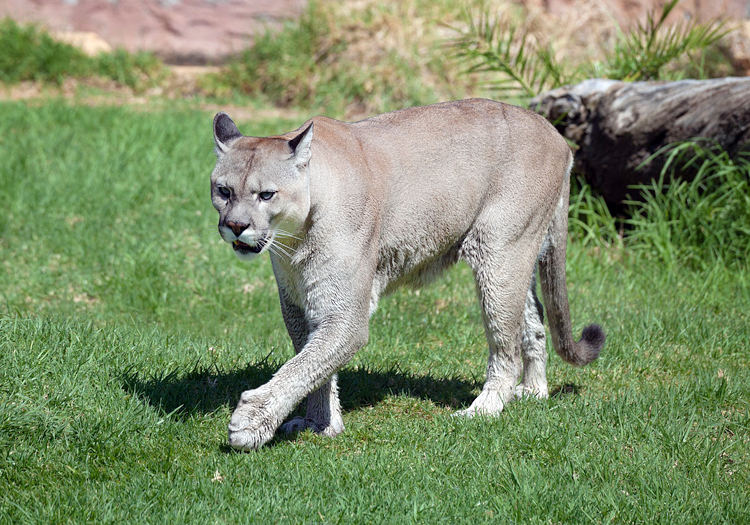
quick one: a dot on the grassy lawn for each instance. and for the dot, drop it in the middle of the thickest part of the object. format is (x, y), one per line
(128, 330)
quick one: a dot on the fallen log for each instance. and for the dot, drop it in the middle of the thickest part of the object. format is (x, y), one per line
(618, 125)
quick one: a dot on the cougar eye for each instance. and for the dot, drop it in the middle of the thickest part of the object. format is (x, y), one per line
(224, 191)
(266, 195)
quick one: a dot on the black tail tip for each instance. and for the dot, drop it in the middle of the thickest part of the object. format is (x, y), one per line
(591, 343)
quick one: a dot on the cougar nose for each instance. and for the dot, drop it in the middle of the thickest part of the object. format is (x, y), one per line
(236, 227)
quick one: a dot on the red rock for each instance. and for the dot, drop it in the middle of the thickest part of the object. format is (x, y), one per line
(205, 31)
(625, 11)
(178, 31)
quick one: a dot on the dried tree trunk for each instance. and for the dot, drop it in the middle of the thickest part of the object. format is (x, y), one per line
(618, 125)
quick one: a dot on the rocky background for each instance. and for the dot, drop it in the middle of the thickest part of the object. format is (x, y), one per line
(207, 31)
(178, 31)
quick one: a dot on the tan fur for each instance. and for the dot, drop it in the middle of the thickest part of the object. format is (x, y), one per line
(351, 211)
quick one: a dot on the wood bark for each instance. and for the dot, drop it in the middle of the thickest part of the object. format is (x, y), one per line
(618, 125)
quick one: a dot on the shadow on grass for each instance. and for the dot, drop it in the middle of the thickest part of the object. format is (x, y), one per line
(564, 390)
(205, 390)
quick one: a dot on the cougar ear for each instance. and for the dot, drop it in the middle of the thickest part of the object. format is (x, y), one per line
(225, 132)
(300, 146)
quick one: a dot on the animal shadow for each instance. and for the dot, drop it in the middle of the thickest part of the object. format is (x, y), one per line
(206, 389)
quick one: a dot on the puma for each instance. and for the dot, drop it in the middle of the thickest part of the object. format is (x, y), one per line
(350, 211)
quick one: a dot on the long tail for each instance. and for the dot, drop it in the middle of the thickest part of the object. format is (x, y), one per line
(555, 293)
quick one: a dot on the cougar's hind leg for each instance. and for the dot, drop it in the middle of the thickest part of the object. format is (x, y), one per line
(503, 272)
(533, 347)
(323, 413)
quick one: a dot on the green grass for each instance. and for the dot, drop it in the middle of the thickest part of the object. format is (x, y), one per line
(31, 54)
(28, 52)
(704, 219)
(697, 214)
(128, 330)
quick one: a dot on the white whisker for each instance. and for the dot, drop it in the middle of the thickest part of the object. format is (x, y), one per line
(273, 248)
(280, 250)
(289, 251)
(283, 248)
(278, 253)
(273, 252)
(294, 240)
(286, 234)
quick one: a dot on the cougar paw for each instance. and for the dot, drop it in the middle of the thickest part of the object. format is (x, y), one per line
(252, 423)
(298, 424)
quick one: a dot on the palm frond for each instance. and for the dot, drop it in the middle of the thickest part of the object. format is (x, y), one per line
(642, 53)
(496, 44)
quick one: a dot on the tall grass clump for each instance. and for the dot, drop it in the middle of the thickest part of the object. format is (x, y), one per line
(364, 58)
(696, 214)
(283, 67)
(589, 220)
(136, 70)
(28, 52)
(703, 219)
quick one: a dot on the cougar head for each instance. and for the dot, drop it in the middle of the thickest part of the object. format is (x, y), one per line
(260, 187)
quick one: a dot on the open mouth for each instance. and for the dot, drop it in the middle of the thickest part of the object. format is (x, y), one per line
(242, 247)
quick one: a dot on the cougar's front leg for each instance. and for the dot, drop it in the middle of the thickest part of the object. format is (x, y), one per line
(331, 343)
(323, 408)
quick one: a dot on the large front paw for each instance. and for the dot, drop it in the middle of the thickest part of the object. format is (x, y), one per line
(253, 423)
